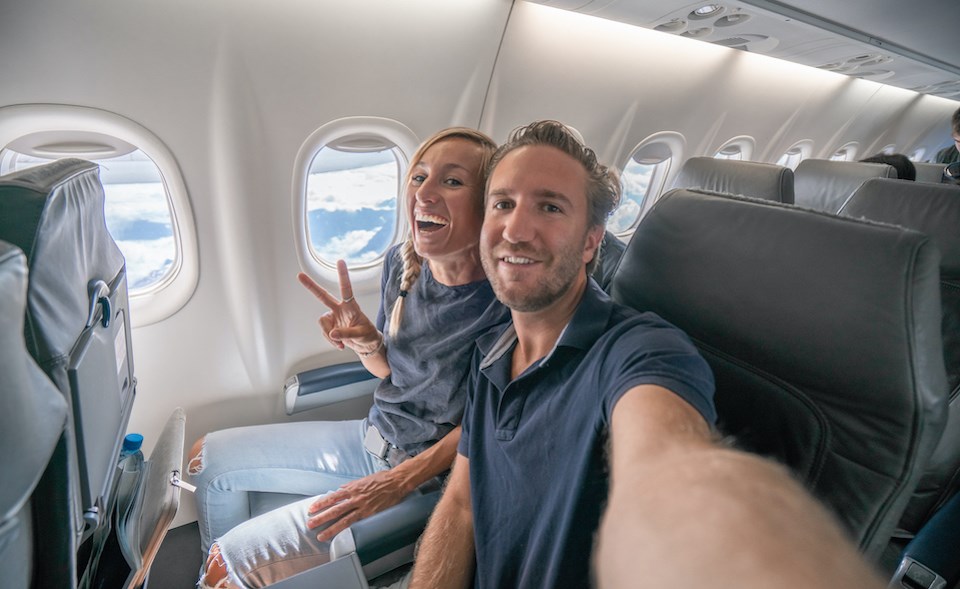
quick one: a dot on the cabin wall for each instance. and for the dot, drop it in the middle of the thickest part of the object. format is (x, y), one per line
(233, 89)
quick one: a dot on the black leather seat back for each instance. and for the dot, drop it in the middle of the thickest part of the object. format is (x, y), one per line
(32, 424)
(824, 185)
(753, 179)
(933, 209)
(824, 337)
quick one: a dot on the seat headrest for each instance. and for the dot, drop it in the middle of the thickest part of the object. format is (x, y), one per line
(32, 412)
(54, 213)
(933, 209)
(927, 172)
(754, 179)
(788, 306)
(824, 185)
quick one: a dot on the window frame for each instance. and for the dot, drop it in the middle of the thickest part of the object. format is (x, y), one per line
(851, 148)
(744, 143)
(805, 147)
(164, 298)
(339, 130)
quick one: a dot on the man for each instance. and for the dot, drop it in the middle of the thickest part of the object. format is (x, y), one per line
(572, 375)
(950, 154)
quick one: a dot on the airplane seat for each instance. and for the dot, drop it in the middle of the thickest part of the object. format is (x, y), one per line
(824, 185)
(753, 179)
(33, 418)
(927, 172)
(77, 328)
(934, 210)
(611, 249)
(815, 366)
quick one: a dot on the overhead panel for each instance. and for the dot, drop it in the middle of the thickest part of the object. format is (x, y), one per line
(858, 38)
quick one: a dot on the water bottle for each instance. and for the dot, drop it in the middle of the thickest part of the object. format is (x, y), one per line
(131, 445)
(131, 456)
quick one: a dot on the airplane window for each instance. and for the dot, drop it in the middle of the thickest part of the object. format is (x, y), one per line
(738, 148)
(346, 194)
(847, 153)
(635, 181)
(136, 210)
(889, 149)
(796, 154)
(352, 201)
(729, 153)
(917, 155)
(643, 176)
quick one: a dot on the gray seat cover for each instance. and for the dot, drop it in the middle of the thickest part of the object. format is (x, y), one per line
(783, 302)
(32, 419)
(824, 185)
(754, 179)
(933, 209)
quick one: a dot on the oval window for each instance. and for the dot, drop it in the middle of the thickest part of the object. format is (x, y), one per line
(847, 153)
(738, 148)
(351, 204)
(146, 205)
(347, 193)
(642, 176)
(796, 154)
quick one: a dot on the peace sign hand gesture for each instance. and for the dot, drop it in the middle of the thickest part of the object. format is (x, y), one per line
(344, 324)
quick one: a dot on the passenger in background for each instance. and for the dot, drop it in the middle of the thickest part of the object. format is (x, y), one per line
(950, 154)
(579, 398)
(435, 301)
(608, 257)
(901, 163)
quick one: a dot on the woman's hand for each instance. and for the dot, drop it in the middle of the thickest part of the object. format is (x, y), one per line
(355, 501)
(344, 324)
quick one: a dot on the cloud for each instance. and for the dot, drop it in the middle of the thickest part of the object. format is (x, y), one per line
(135, 202)
(349, 247)
(147, 259)
(372, 187)
(624, 216)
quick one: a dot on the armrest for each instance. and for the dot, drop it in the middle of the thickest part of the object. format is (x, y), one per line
(930, 560)
(371, 547)
(327, 385)
(401, 525)
(386, 540)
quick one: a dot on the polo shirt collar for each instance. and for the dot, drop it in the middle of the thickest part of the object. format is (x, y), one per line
(588, 323)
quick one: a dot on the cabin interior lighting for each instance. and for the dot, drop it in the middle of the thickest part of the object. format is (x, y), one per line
(706, 11)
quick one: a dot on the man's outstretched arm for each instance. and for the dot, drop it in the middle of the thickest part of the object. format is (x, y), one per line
(686, 512)
(445, 559)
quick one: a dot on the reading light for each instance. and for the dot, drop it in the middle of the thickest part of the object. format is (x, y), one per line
(707, 10)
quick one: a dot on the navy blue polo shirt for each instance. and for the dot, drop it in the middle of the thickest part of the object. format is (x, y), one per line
(536, 444)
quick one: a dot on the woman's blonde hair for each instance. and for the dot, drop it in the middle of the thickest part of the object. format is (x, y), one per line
(408, 255)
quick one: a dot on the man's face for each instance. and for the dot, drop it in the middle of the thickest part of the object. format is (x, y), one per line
(535, 240)
(956, 140)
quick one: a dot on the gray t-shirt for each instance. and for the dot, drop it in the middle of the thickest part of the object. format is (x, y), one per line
(423, 398)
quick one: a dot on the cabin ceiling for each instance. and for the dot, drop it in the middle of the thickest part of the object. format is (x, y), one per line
(913, 45)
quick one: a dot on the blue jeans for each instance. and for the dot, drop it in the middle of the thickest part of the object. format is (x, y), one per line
(295, 460)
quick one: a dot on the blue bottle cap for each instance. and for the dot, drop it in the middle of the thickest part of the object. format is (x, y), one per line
(132, 442)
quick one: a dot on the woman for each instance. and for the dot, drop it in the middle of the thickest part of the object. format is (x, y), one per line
(438, 301)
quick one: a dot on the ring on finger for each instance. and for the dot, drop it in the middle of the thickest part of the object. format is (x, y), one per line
(347, 300)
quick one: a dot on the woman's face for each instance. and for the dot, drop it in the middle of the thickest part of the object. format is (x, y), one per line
(444, 200)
